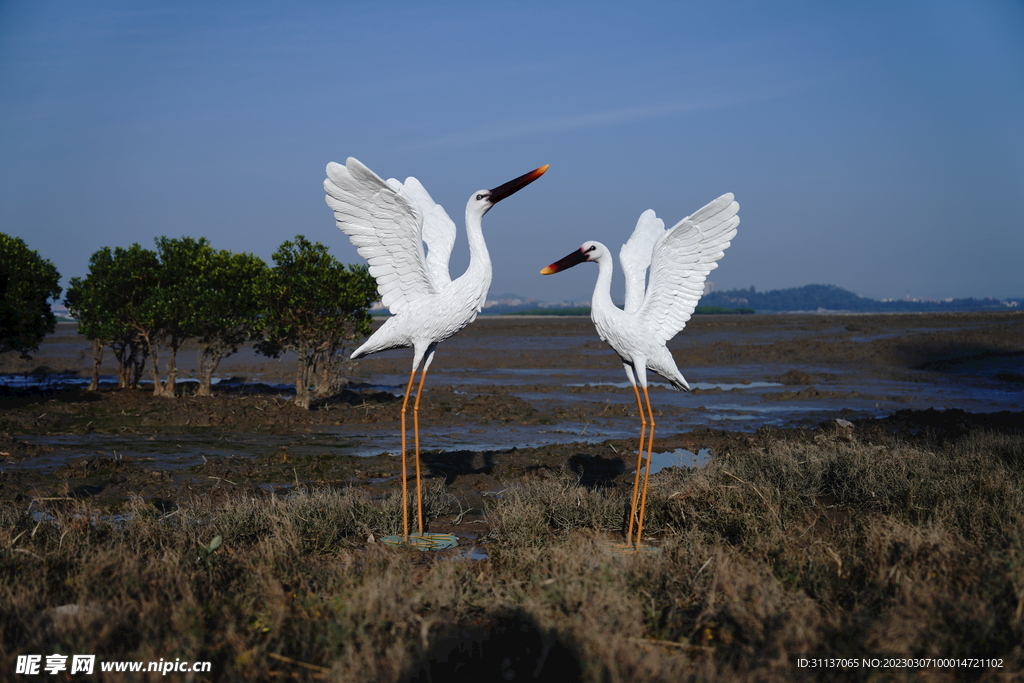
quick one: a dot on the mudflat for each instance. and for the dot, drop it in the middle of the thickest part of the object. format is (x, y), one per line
(509, 397)
(858, 503)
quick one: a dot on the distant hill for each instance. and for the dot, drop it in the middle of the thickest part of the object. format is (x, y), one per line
(833, 298)
(567, 310)
(806, 298)
(585, 310)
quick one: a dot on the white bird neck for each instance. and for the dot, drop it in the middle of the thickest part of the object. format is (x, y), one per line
(479, 259)
(602, 299)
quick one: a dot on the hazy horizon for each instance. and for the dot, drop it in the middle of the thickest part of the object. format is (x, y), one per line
(877, 146)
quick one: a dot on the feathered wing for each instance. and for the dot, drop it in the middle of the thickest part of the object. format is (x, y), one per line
(385, 227)
(438, 232)
(635, 257)
(682, 259)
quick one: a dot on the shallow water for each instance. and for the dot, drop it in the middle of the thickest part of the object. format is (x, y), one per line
(178, 452)
(677, 458)
(557, 365)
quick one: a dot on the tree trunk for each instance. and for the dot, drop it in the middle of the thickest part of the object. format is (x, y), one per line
(153, 351)
(97, 360)
(138, 366)
(209, 359)
(321, 374)
(124, 373)
(131, 360)
(170, 387)
(303, 374)
(329, 374)
(323, 382)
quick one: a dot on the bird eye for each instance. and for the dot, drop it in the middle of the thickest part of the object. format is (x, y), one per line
(479, 197)
(592, 247)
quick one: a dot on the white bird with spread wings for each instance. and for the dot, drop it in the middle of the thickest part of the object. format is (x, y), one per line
(390, 223)
(679, 260)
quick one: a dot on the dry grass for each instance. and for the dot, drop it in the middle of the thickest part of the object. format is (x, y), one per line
(828, 548)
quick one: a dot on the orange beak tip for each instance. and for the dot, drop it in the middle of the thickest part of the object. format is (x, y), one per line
(547, 270)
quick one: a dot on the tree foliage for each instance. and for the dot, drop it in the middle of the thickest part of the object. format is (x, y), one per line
(226, 307)
(112, 303)
(313, 305)
(204, 294)
(27, 284)
(143, 303)
(176, 317)
(146, 304)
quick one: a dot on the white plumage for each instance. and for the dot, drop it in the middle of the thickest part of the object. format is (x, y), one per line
(407, 240)
(679, 260)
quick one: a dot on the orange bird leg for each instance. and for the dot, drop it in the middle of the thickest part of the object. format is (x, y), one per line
(647, 470)
(636, 478)
(416, 430)
(405, 485)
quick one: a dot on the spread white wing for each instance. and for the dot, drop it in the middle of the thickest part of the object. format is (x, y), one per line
(682, 259)
(438, 231)
(635, 257)
(386, 227)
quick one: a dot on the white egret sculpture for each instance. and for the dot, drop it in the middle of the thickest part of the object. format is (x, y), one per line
(679, 259)
(389, 223)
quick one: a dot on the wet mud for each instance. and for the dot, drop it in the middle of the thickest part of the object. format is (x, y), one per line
(506, 399)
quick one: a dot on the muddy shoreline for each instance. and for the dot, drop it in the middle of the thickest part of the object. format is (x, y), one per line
(61, 442)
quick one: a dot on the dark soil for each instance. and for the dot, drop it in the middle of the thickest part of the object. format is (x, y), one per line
(897, 345)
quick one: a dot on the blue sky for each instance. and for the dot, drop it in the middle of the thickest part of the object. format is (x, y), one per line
(878, 146)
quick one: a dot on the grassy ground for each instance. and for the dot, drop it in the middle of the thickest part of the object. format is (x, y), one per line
(829, 548)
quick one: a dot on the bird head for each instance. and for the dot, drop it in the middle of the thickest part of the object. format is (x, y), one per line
(590, 251)
(483, 200)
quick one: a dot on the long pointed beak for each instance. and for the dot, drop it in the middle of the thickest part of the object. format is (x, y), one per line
(513, 186)
(575, 258)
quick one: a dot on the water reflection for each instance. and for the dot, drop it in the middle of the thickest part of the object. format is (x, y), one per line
(580, 394)
(677, 458)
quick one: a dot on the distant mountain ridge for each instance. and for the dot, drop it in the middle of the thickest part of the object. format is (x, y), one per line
(807, 298)
(834, 298)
